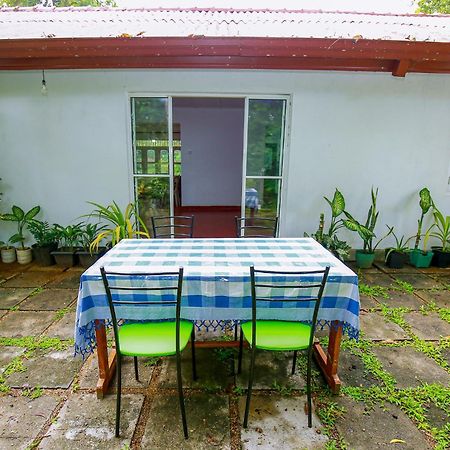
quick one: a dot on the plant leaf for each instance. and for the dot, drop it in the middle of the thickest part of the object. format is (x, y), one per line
(338, 204)
(425, 200)
(32, 212)
(18, 212)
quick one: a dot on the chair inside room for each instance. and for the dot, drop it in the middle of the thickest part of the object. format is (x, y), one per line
(173, 227)
(256, 227)
(279, 289)
(153, 291)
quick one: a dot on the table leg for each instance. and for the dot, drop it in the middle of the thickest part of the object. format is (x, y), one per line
(328, 363)
(106, 363)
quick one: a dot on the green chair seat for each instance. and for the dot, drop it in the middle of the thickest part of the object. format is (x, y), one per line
(153, 338)
(278, 335)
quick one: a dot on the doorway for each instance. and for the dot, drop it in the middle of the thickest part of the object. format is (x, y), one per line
(212, 157)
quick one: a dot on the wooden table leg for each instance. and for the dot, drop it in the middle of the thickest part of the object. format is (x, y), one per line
(328, 362)
(106, 363)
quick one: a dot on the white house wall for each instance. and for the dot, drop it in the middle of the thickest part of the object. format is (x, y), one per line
(348, 130)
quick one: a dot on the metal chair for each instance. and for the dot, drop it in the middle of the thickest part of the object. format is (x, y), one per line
(149, 339)
(173, 227)
(281, 335)
(256, 227)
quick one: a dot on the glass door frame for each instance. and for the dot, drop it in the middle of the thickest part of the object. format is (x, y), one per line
(284, 152)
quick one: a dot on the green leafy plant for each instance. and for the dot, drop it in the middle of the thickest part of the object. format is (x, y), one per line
(442, 226)
(70, 236)
(124, 225)
(401, 245)
(23, 219)
(367, 231)
(89, 233)
(425, 203)
(43, 233)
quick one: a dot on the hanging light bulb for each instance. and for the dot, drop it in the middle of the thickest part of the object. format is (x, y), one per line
(44, 89)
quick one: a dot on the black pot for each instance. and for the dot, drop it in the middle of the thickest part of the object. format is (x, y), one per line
(87, 258)
(65, 257)
(396, 260)
(440, 258)
(43, 255)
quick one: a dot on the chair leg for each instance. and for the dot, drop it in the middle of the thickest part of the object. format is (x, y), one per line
(294, 362)
(180, 396)
(308, 389)
(194, 366)
(250, 385)
(119, 392)
(136, 372)
(241, 337)
(235, 330)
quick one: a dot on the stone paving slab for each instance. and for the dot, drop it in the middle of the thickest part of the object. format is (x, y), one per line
(85, 422)
(411, 368)
(25, 323)
(405, 269)
(7, 354)
(367, 302)
(375, 327)
(89, 374)
(272, 371)
(372, 429)
(207, 419)
(21, 419)
(279, 423)
(214, 369)
(352, 265)
(54, 369)
(440, 297)
(63, 328)
(398, 299)
(428, 327)
(49, 300)
(29, 279)
(3, 312)
(10, 297)
(378, 279)
(418, 280)
(352, 373)
(70, 279)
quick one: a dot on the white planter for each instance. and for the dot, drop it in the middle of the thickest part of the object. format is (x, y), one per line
(8, 255)
(24, 256)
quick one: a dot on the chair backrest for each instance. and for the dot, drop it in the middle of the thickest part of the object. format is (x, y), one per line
(291, 285)
(165, 293)
(173, 227)
(256, 227)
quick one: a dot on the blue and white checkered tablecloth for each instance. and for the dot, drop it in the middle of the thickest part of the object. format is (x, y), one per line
(216, 282)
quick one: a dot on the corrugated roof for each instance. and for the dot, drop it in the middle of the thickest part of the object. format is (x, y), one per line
(39, 22)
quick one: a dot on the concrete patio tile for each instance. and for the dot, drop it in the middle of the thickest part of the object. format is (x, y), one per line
(352, 265)
(440, 297)
(21, 419)
(25, 323)
(377, 328)
(405, 269)
(89, 373)
(54, 369)
(372, 429)
(207, 420)
(7, 354)
(49, 300)
(272, 371)
(430, 327)
(411, 368)
(214, 369)
(70, 279)
(367, 302)
(29, 279)
(53, 269)
(398, 299)
(3, 312)
(352, 373)
(85, 422)
(63, 328)
(281, 423)
(378, 279)
(10, 297)
(418, 280)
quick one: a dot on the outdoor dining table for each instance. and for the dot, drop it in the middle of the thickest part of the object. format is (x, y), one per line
(216, 290)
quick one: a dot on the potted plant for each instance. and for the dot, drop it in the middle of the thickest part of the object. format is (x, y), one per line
(46, 242)
(366, 255)
(329, 239)
(122, 225)
(441, 225)
(418, 257)
(8, 252)
(23, 219)
(87, 256)
(69, 238)
(396, 257)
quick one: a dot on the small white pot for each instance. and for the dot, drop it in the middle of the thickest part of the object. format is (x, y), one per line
(8, 255)
(24, 256)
